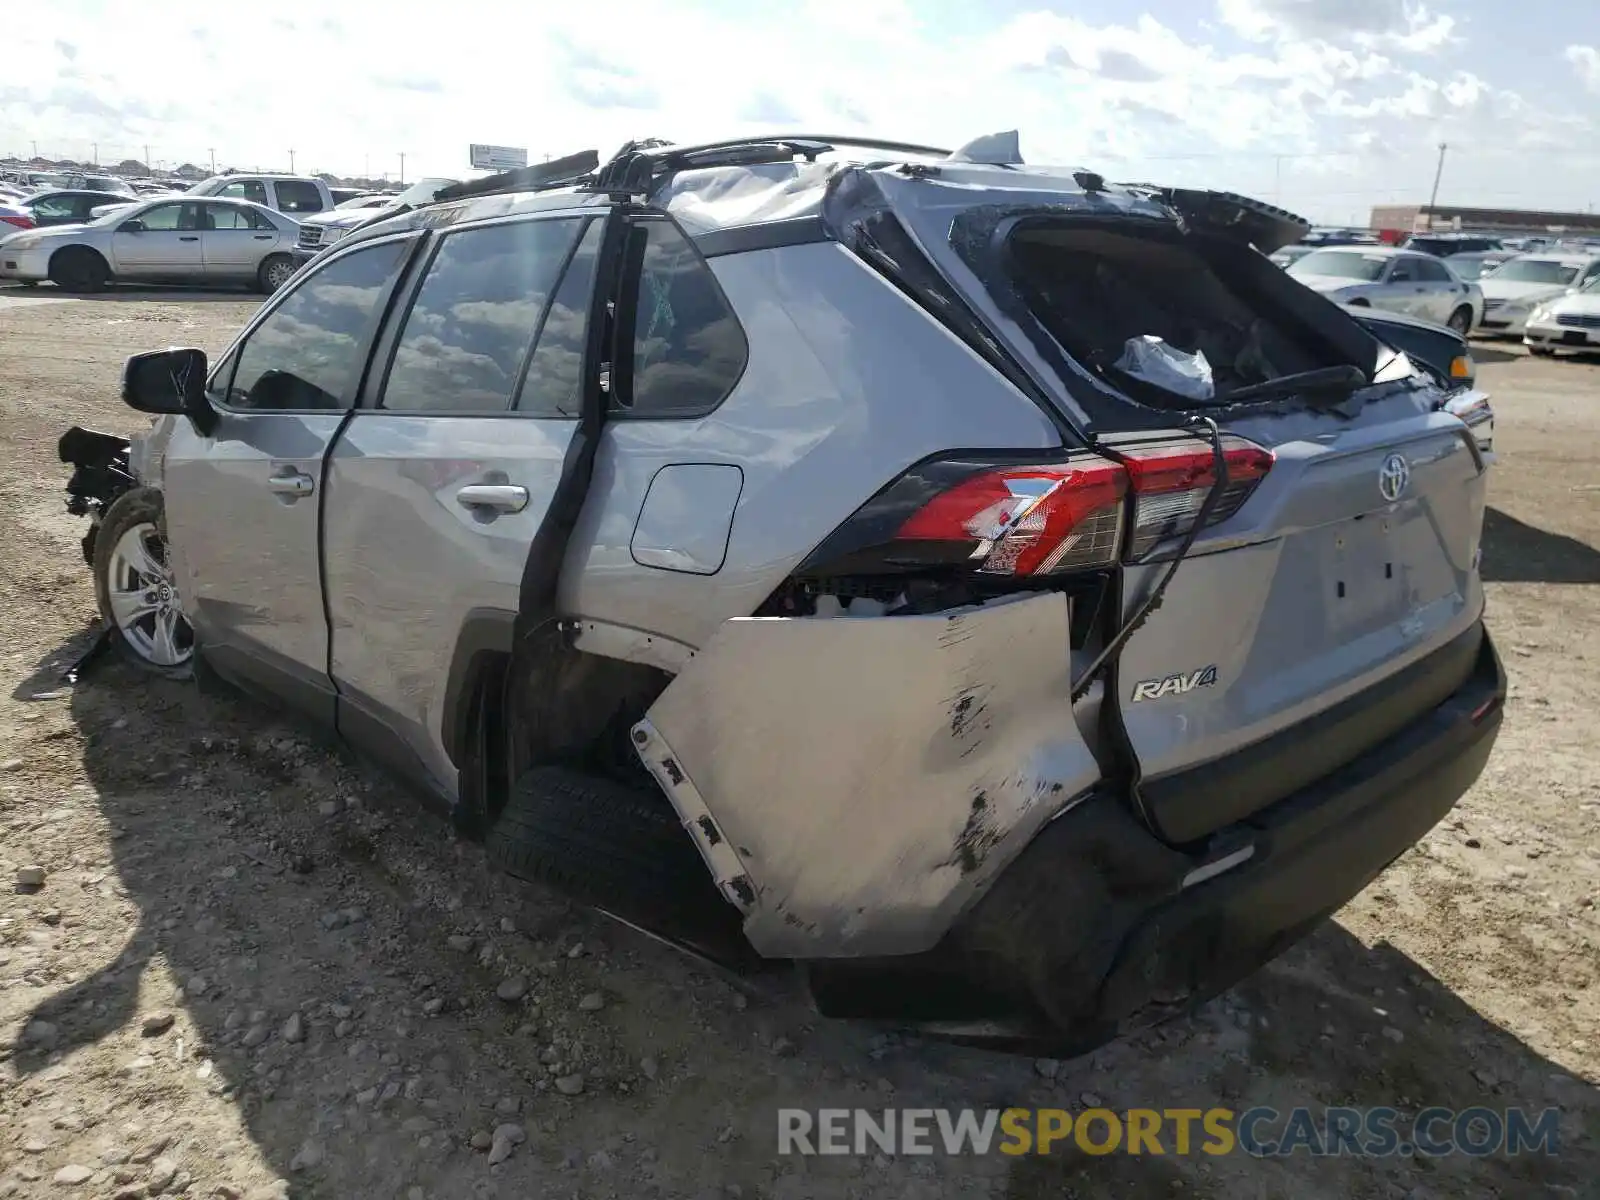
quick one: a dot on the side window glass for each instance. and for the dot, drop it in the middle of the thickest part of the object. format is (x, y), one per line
(260, 221)
(163, 218)
(1402, 272)
(475, 316)
(308, 353)
(246, 189)
(53, 209)
(296, 195)
(225, 216)
(1433, 272)
(688, 347)
(554, 383)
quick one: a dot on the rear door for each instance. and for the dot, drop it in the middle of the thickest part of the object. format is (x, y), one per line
(233, 240)
(242, 502)
(1442, 293)
(161, 242)
(439, 483)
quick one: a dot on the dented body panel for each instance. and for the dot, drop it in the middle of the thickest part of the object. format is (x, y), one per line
(871, 776)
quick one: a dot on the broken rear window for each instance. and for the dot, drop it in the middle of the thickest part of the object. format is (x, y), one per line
(1104, 294)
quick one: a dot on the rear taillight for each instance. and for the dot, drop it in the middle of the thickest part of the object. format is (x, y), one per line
(20, 221)
(1032, 520)
(1170, 481)
(1001, 521)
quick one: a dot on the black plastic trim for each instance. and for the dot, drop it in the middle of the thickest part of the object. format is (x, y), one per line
(1194, 802)
(485, 634)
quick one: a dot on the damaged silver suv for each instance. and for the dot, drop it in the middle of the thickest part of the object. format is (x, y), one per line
(1000, 594)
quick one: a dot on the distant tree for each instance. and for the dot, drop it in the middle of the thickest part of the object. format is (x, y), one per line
(131, 166)
(189, 171)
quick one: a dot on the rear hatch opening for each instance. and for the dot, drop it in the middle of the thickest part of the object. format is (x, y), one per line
(1099, 289)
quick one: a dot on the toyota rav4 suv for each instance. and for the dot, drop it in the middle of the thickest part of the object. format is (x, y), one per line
(1001, 595)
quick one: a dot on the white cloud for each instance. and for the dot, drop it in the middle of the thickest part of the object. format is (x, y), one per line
(1404, 25)
(1586, 61)
(1325, 105)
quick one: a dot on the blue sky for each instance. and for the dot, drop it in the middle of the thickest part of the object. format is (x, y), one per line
(1326, 106)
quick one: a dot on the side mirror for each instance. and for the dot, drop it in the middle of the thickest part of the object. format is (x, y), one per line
(170, 382)
(133, 226)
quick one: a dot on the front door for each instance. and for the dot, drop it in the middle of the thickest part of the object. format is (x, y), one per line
(1405, 292)
(161, 242)
(439, 482)
(243, 501)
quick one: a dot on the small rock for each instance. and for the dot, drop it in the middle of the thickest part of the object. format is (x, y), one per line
(366, 1096)
(507, 925)
(150, 1149)
(433, 1006)
(31, 878)
(1046, 1067)
(1473, 843)
(73, 1174)
(513, 989)
(309, 1155)
(134, 1191)
(782, 1047)
(482, 1140)
(569, 1085)
(328, 808)
(227, 1191)
(162, 1172)
(511, 1131)
(460, 943)
(508, 1106)
(1393, 1034)
(294, 1029)
(51, 916)
(601, 1161)
(334, 920)
(342, 1029)
(649, 1068)
(1090, 1100)
(576, 951)
(156, 1023)
(417, 1124)
(11, 764)
(254, 1036)
(593, 1002)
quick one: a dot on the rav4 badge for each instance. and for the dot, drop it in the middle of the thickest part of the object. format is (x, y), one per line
(1173, 685)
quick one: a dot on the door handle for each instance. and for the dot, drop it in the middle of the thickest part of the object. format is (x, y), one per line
(291, 484)
(263, 237)
(189, 238)
(502, 497)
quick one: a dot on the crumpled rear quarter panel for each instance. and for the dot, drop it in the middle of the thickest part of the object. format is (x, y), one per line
(872, 774)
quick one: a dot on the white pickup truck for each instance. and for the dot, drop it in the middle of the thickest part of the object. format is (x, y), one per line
(294, 195)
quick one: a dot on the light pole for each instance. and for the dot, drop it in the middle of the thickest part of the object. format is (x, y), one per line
(96, 146)
(402, 168)
(213, 150)
(291, 161)
(1433, 197)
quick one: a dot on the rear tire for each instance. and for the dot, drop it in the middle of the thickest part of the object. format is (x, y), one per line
(613, 847)
(78, 269)
(275, 271)
(1461, 321)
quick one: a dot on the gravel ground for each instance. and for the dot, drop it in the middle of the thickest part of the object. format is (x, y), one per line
(256, 969)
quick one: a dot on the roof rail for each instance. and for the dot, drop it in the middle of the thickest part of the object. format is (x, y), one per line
(637, 166)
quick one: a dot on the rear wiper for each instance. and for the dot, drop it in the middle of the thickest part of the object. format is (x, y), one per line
(1342, 380)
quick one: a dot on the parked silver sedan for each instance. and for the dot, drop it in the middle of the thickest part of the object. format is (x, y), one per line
(1402, 281)
(168, 240)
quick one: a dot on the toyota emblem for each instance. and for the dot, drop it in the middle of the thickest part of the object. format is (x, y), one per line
(1393, 477)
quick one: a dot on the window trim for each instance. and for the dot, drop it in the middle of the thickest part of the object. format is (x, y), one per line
(368, 340)
(627, 298)
(388, 342)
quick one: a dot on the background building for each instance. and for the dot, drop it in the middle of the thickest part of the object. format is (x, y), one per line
(1415, 218)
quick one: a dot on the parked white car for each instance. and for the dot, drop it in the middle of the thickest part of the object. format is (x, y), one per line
(164, 240)
(1571, 321)
(1514, 289)
(1403, 281)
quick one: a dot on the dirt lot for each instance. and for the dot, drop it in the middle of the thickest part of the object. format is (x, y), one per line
(257, 969)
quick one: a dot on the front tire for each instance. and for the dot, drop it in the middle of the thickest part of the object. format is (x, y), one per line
(79, 269)
(275, 271)
(1461, 321)
(134, 588)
